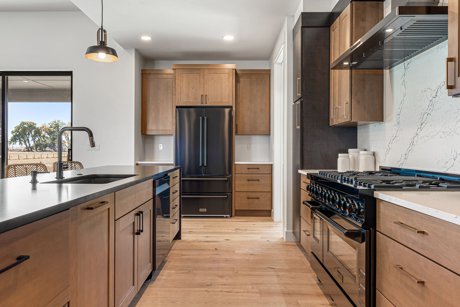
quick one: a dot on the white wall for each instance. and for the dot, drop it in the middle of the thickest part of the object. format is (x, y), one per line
(283, 166)
(422, 124)
(247, 148)
(314, 6)
(103, 94)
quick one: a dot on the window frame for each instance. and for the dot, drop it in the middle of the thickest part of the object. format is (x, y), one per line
(4, 106)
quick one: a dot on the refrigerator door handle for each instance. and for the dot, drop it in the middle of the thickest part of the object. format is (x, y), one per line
(205, 144)
(201, 141)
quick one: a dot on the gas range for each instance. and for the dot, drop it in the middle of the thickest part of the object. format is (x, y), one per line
(350, 194)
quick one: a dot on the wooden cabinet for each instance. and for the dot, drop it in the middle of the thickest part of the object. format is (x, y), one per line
(305, 216)
(253, 102)
(35, 263)
(417, 261)
(356, 96)
(158, 102)
(453, 59)
(205, 85)
(253, 189)
(133, 240)
(92, 250)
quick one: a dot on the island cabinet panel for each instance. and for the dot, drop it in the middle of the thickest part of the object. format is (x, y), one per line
(92, 252)
(126, 259)
(158, 102)
(145, 243)
(305, 216)
(198, 85)
(38, 259)
(253, 102)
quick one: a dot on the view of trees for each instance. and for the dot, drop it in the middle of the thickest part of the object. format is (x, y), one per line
(39, 138)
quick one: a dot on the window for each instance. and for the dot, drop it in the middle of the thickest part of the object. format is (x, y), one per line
(36, 106)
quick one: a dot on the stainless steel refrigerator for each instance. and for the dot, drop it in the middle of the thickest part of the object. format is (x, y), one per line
(204, 152)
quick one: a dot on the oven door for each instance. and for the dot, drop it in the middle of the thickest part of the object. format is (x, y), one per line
(344, 254)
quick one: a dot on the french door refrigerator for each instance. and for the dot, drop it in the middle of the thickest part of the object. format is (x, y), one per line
(204, 152)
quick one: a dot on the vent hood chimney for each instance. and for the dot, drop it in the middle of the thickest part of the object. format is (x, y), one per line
(408, 29)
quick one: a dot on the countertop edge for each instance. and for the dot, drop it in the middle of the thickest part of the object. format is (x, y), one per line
(439, 214)
(35, 216)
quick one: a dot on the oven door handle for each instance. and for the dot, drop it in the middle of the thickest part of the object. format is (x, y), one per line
(357, 235)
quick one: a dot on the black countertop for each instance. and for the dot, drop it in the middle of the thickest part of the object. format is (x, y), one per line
(22, 203)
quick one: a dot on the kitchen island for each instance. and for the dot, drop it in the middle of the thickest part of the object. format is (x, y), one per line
(84, 244)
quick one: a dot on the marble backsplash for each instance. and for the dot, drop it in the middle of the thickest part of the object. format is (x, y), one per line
(422, 124)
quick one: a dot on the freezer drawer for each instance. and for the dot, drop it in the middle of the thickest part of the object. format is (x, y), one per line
(207, 205)
(199, 185)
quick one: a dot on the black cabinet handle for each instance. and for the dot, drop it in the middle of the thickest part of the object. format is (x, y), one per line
(142, 220)
(174, 221)
(255, 180)
(138, 230)
(20, 259)
(175, 177)
(98, 205)
(249, 197)
(175, 192)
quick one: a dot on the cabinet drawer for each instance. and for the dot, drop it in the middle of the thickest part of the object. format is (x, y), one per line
(43, 278)
(305, 236)
(253, 168)
(429, 236)
(381, 301)
(130, 198)
(408, 279)
(304, 182)
(253, 183)
(305, 212)
(253, 201)
(175, 206)
(174, 192)
(174, 178)
(174, 226)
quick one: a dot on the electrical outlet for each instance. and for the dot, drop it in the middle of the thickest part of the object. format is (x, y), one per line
(160, 147)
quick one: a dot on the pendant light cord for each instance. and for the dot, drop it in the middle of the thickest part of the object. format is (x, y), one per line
(102, 13)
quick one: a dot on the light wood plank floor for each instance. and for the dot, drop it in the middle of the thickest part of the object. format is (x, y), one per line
(234, 262)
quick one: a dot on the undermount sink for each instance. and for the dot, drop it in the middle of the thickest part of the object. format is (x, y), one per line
(91, 179)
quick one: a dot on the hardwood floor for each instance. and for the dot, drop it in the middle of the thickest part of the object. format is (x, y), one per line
(234, 262)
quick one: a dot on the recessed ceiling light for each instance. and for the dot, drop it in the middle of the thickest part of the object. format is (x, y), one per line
(146, 38)
(389, 30)
(229, 38)
(25, 81)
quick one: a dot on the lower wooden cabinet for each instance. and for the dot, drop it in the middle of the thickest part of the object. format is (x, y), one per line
(92, 250)
(305, 216)
(253, 190)
(38, 259)
(133, 252)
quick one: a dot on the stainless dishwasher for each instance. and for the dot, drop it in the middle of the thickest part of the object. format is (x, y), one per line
(162, 219)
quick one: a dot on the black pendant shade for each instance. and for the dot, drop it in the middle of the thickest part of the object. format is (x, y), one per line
(101, 52)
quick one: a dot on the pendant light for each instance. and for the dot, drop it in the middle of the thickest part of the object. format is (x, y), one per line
(101, 52)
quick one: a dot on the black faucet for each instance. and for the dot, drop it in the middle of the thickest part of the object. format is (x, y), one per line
(60, 165)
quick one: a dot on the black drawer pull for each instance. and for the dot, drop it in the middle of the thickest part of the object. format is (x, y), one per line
(175, 207)
(175, 192)
(137, 217)
(97, 206)
(254, 168)
(249, 180)
(174, 221)
(175, 177)
(19, 260)
(253, 197)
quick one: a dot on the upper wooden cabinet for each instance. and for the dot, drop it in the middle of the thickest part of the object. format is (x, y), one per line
(158, 102)
(253, 102)
(205, 85)
(356, 96)
(453, 60)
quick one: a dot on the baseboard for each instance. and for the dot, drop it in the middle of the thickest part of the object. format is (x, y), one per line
(289, 236)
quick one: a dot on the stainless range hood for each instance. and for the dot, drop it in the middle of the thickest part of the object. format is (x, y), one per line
(405, 32)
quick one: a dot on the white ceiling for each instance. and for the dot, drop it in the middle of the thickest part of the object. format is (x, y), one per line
(193, 29)
(39, 82)
(36, 5)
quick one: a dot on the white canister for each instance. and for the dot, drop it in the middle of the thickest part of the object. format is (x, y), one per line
(343, 163)
(366, 161)
(354, 158)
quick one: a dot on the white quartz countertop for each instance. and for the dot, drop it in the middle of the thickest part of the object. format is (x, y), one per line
(439, 204)
(154, 163)
(254, 162)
